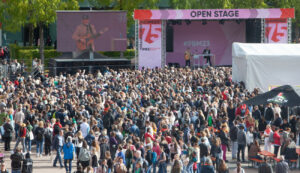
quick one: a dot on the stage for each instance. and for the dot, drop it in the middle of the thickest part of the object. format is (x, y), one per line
(164, 37)
(72, 65)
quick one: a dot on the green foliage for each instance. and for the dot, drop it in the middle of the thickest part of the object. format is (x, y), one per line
(129, 54)
(27, 54)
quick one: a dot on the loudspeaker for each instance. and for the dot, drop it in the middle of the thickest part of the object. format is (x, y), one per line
(169, 39)
(253, 31)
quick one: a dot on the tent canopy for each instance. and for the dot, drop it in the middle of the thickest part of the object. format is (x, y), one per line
(284, 95)
(264, 65)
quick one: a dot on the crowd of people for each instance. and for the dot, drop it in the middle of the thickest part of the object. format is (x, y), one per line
(177, 120)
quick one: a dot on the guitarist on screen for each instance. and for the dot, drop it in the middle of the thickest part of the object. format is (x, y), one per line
(85, 35)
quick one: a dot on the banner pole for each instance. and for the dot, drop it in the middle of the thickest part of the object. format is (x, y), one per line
(163, 43)
(136, 43)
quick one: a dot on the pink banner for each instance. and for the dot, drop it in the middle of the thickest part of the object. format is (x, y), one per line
(197, 37)
(196, 14)
(150, 44)
(276, 31)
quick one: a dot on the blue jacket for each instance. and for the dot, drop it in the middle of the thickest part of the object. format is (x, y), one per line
(68, 149)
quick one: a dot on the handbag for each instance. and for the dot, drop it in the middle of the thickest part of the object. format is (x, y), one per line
(31, 137)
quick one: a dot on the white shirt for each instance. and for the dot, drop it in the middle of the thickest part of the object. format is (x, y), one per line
(84, 128)
(249, 137)
(242, 170)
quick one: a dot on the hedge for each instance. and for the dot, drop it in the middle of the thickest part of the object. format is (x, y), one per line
(129, 54)
(27, 55)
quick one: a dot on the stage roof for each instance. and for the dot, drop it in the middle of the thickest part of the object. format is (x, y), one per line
(214, 14)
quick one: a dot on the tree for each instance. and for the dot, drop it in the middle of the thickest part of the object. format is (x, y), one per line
(38, 13)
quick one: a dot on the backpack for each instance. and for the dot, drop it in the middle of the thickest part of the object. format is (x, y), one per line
(233, 133)
(39, 134)
(128, 154)
(149, 157)
(56, 129)
(271, 137)
(48, 136)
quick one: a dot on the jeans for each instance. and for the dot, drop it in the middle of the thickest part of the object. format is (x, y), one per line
(149, 169)
(22, 140)
(276, 149)
(199, 167)
(17, 127)
(154, 167)
(162, 168)
(234, 149)
(47, 149)
(190, 167)
(58, 156)
(15, 171)
(39, 147)
(224, 148)
(28, 144)
(241, 147)
(66, 165)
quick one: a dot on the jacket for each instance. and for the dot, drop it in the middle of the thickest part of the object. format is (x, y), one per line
(241, 137)
(8, 130)
(233, 133)
(265, 168)
(16, 161)
(27, 165)
(223, 137)
(282, 167)
(68, 149)
(84, 155)
(215, 151)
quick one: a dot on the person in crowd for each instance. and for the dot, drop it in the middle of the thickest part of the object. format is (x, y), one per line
(224, 141)
(48, 138)
(265, 167)
(222, 168)
(21, 137)
(68, 149)
(233, 137)
(241, 139)
(29, 137)
(254, 150)
(57, 145)
(249, 137)
(177, 167)
(7, 136)
(216, 151)
(39, 137)
(269, 113)
(239, 168)
(84, 156)
(27, 166)
(282, 166)
(3, 168)
(276, 143)
(16, 161)
(266, 135)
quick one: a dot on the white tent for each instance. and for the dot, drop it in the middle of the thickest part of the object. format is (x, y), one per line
(265, 65)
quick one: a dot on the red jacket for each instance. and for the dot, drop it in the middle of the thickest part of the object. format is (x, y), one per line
(22, 131)
(148, 135)
(276, 138)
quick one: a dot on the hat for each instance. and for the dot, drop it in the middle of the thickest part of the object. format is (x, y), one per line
(23, 124)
